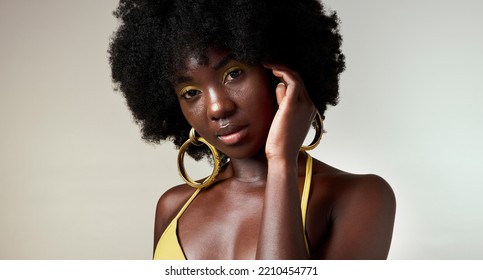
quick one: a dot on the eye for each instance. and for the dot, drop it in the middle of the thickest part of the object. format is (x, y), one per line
(232, 74)
(189, 92)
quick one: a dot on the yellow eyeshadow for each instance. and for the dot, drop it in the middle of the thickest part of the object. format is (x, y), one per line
(186, 89)
(230, 70)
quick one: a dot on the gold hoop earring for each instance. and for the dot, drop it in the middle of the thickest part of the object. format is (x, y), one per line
(198, 141)
(319, 129)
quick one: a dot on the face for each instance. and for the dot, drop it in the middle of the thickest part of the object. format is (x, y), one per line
(229, 103)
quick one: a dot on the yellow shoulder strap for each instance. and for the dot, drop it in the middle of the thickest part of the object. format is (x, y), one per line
(187, 203)
(305, 195)
(168, 247)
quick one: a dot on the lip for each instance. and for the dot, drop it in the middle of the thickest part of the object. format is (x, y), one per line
(231, 134)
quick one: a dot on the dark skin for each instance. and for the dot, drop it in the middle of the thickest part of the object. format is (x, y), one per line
(253, 210)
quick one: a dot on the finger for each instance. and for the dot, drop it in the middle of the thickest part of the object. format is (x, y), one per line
(287, 76)
(294, 86)
(280, 92)
(272, 66)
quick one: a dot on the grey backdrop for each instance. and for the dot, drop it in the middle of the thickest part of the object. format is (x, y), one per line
(76, 181)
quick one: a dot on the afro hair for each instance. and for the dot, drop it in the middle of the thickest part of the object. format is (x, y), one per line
(155, 37)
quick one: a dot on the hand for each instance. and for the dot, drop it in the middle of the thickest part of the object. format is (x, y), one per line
(293, 118)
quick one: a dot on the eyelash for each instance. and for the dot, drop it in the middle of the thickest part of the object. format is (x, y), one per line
(227, 75)
(190, 92)
(185, 92)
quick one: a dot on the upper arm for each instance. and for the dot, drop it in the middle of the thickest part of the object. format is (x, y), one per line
(362, 221)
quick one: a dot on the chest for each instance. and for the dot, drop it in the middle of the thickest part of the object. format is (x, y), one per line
(221, 227)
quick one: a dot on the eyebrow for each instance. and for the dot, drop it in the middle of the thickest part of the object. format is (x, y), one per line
(223, 62)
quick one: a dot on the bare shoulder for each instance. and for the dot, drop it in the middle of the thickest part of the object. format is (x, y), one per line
(169, 204)
(360, 209)
(345, 187)
(173, 199)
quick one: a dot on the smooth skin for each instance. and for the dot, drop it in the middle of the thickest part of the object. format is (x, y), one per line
(253, 210)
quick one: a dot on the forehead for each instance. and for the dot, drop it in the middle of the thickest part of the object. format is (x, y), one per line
(213, 58)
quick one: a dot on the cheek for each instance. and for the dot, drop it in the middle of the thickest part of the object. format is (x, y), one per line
(263, 95)
(193, 113)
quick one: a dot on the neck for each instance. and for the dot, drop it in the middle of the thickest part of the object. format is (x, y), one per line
(255, 169)
(249, 170)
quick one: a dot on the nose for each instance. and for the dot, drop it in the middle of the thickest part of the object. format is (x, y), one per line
(220, 104)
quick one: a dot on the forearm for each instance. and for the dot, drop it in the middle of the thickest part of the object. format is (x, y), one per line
(281, 231)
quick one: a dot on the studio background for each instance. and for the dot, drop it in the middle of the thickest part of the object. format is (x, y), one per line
(77, 181)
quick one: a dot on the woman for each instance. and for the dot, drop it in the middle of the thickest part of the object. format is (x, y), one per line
(240, 82)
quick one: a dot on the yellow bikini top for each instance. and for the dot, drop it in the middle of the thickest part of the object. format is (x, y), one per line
(168, 247)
